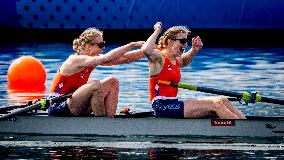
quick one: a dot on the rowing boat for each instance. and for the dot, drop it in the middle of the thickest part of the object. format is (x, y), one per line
(143, 123)
(254, 126)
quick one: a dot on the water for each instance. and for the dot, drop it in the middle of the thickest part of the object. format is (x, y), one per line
(137, 147)
(233, 69)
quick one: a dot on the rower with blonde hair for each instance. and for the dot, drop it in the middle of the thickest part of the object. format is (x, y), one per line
(164, 65)
(99, 97)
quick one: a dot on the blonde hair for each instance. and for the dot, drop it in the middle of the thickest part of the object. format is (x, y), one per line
(87, 37)
(171, 34)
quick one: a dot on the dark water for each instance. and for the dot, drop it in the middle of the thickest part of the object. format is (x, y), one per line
(233, 69)
(138, 147)
(130, 153)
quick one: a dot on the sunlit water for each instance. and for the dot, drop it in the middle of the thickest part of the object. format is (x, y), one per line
(232, 69)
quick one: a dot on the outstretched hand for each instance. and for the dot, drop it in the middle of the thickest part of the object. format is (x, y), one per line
(196, 43)
(137, 44)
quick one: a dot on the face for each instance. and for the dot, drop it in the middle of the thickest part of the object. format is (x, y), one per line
(97, 47)
(179, 43)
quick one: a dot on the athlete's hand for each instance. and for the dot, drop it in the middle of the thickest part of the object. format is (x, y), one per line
(196, 43)
(137, 44)
(158, 26)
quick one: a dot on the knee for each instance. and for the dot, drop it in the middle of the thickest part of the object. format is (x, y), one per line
(218, 102)
(224, 100)
(96, 85)
(113, 81)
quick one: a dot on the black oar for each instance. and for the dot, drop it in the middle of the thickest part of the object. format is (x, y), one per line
(5, 109)
(41, 104)
(245, 96)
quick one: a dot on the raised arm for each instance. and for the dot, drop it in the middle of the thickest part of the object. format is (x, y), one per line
(149, 45)
(189, 55)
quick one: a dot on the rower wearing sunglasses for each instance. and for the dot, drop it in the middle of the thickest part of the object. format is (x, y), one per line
(99, 97)
(165, 62)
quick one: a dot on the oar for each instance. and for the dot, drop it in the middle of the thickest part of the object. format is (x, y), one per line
(245, 96)
(4, 109)
(41, 104)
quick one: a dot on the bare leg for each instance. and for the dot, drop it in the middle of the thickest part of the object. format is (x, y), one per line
(202, 107)
(90, 94)
(233, 109)
(110, 93)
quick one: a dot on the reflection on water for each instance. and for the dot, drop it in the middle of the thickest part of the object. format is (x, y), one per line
(93, 152)
(22, 96)
(138, 147)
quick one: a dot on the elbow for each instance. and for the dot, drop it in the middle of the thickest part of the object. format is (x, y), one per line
(106, 59)
(145, 50)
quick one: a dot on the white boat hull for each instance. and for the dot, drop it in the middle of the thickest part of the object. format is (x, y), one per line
(142, 126)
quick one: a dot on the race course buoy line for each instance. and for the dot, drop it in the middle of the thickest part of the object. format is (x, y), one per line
(26, 73)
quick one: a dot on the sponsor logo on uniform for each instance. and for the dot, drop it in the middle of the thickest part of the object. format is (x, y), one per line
(170, 68)
(169, 107)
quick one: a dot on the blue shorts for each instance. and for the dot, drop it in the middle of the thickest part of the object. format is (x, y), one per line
(60, 109)
(171, 108)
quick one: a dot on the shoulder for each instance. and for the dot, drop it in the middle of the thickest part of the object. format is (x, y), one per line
(157, 56)
(75, 60)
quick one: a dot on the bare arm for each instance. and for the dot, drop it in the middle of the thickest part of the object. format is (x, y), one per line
(149, 45)
(75, 63)
(110, 56)
(187, 57)
(129, 56)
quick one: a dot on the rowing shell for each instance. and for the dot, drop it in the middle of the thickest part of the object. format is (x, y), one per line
(121, 126)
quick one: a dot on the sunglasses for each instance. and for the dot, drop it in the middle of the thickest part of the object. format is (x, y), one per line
(182, 41)
(101, 44)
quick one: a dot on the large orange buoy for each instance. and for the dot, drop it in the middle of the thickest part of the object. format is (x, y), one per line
(26, 73)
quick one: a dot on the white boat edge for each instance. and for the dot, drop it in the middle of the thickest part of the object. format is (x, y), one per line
(145, 145)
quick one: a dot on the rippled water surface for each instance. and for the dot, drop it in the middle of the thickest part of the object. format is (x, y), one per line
(233, 69)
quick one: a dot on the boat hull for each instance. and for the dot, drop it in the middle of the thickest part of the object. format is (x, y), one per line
(142, 126)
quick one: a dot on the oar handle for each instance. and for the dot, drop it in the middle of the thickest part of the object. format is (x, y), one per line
(59, 98)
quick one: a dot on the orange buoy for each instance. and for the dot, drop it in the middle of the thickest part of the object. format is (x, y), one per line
(26, 73)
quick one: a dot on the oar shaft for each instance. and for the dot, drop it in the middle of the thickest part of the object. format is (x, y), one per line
(208, 90)
(23, 110)
(272, 100)
(246, 96)
(238, 95)
(7, 108)
(38, 105)
(218, 91)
